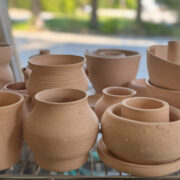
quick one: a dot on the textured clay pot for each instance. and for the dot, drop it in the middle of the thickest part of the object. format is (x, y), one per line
(141, 142)
(111, 67)
(145, 109)
(140, 86)
(10, 128)
(20, 87)
(6, 75)
(92, 99)
(61, 129)
(135, 169)
(162, 72)
(112, 95)
(56, 71)
(170, 96)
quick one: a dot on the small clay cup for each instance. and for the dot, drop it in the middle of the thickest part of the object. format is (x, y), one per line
(112, 95)
(145, 109)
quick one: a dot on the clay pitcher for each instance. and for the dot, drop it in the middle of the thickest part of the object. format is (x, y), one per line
(61, 129)
(10, 128)
(56, 71)
(6, 74)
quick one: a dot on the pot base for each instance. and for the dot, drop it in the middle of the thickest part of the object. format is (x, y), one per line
(62, 165)
(135, 169)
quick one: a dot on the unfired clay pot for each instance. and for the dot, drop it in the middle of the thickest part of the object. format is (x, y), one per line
(10, 128)
(162, 72)
(6, 75)
(140, 86)
(92, 99)
(141, 142)
(145, 109)
(20, 87)
(56, 71)
(112, 95)
(170, 96)
(111, 67)
(61, 129)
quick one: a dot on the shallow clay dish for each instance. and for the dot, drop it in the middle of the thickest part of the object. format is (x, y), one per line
(136, 169)
(162, 73)
(170, 96)
(92, 99)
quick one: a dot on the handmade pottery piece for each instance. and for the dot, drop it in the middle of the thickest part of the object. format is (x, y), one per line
(145, 109)
(141, 142)
(162, 72)
(135, 169)
(56, 71)
(140, 86)
(6, 74)
(61, 129)
(111, 67)
(112, 95)
(10, 128)
(170, 96)
(92, 99)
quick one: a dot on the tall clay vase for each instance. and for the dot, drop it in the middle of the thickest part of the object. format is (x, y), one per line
(10, 128)
(111, 67)
(56, 71)
(61, 129)
(6, 74)
(112, 95)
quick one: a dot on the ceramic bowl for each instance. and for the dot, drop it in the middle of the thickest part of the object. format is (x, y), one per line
(170, 96)
(162, 73)
(141, 142)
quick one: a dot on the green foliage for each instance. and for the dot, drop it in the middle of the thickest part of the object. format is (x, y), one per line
(25, 4)
(131, 4)
(171, 4)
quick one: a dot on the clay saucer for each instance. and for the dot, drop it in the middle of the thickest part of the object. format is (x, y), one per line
(92, 99)
(136, 169)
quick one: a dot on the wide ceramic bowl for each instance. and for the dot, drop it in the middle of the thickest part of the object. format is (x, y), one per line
(162, 73)
(170, 96)
(111, 67)
(141, 142)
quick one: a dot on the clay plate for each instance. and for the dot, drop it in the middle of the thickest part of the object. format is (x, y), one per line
(136, 169)
(92, 99)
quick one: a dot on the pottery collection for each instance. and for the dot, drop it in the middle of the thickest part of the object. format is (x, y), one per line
(111, 67)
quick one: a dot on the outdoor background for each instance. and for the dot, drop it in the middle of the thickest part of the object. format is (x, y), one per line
(74, 26)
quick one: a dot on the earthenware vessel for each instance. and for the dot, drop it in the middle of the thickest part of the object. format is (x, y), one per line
(139, 170)
(92, 99)
(61, 129)
(6, 74)
(10, 128)
(162, 72)
(112, 95)
(140, 86)
(56, 71)
(111, 67)
(141, 142)
(41, 52)
(145, 109)
(170, 96)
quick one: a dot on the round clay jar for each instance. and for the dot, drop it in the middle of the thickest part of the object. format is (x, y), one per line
(112, 95)
(145, 109)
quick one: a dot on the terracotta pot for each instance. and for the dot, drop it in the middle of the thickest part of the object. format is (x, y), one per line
(162, 73)
(10, 128)
(112, 95)
(145, 109)
(170, 96)
(140, 86)
(56, 71)
(61, 129)
(6, 75)
(141, 142)
(20, 87)
(111, 67)
(92, 99)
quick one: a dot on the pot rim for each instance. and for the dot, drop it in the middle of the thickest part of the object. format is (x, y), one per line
(21, 98)
(133, 82)
(118, 105)
(5, 45)
(163, 103)
(11, 83)
(48, 91)
(33, 62)
(131, 91)
(91, 53)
